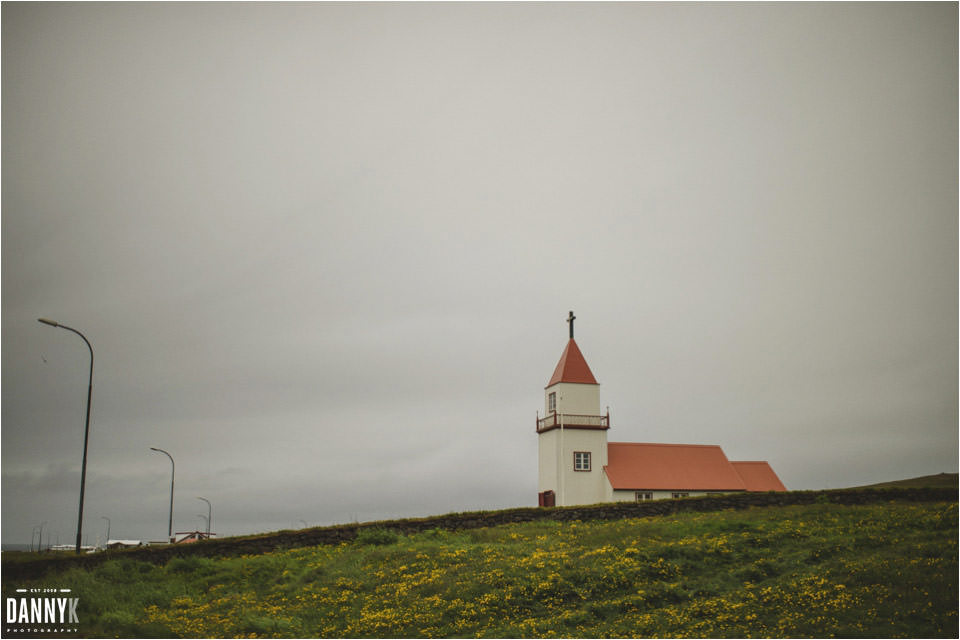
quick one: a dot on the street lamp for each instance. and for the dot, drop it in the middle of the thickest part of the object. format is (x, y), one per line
(200, 515)
(173, 469)
(40, 542)
(209, 513)
(108, 528)
(86, 429)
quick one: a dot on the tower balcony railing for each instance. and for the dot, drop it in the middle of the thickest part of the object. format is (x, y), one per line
(572, 420)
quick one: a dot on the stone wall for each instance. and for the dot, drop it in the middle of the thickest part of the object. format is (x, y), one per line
(248, 545)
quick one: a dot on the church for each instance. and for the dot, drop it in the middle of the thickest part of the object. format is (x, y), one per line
(579, 466)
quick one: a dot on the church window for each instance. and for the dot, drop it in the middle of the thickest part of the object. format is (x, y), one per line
(679, 494)
(581, 461)
(552, 402)
(643, 495)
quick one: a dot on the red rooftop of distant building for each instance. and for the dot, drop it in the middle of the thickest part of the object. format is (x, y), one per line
(572, 367)
(758, 476)
(681, 467)
(684, 467)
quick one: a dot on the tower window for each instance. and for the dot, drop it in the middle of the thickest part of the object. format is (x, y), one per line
(581, 461)
(552, 402)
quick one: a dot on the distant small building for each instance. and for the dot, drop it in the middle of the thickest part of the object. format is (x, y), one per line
(646, 471)
(578, 466)
(192, 536)
(72, 547)
(123, 544)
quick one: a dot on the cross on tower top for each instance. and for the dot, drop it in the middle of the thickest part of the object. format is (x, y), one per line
(570, 319)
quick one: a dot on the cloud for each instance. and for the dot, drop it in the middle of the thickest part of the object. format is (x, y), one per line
(324, 252)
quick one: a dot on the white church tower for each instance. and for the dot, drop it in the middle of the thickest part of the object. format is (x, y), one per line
(572, 434)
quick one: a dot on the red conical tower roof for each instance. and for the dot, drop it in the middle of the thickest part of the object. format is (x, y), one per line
(572, 367)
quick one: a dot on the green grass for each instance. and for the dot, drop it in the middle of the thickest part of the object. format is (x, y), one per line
(949, 480)
(887, 570)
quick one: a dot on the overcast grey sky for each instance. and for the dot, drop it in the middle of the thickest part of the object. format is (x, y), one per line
(324, 252)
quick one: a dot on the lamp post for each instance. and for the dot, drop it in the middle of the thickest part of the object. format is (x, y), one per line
(86, 429)
(200, 515)
(40, 542)
(209, 513)
(173, 470)
(108, 528)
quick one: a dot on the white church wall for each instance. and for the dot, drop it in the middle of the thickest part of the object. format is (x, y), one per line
(548, 445)
(621, 495)
(575, 398)
(557, 473)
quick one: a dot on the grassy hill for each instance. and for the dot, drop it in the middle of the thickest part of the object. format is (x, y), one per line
(949, 480)
(822, 569)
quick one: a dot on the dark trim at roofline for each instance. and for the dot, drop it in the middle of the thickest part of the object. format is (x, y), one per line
(556, 420)
(672, 489)
(592, 384)
(567, 427)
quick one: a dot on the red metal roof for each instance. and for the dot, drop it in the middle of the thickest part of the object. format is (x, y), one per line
(758, 476)
(572, 367)
(680, 467)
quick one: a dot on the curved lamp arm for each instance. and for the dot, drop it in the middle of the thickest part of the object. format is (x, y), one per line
(86, 429)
